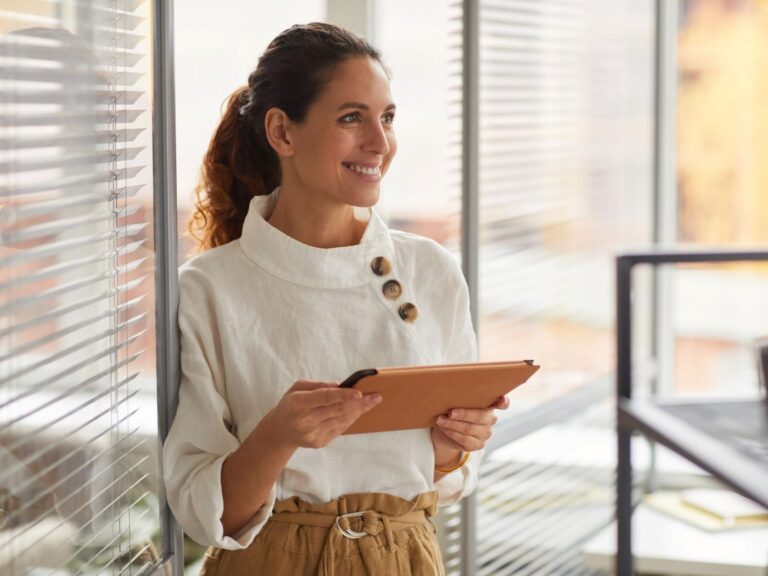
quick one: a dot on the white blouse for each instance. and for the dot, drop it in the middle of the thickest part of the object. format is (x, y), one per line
(264, 311)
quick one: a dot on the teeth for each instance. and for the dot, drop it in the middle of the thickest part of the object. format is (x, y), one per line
(363, 170)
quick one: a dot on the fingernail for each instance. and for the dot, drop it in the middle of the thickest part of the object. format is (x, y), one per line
(375, 399)
(442, 419)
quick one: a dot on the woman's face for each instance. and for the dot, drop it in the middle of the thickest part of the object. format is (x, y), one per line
(345, 144)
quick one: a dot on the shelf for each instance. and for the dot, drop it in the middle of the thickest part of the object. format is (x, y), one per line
(728, 439)
(665, 545)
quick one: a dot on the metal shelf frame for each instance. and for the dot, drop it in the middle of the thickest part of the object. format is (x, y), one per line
(733, 469)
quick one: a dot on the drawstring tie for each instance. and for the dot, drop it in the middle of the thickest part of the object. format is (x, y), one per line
(339, 527)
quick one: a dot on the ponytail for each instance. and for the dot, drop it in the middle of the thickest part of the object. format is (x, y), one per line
(235, 168)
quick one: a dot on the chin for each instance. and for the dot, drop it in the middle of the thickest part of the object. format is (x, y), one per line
(365, 200)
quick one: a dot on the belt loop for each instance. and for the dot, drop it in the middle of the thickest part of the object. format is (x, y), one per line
(388, 533)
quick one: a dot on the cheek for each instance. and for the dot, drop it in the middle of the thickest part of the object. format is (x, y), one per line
(337, 148)
(326, 149)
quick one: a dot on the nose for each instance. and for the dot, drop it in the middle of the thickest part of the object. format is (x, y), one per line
(376, 139)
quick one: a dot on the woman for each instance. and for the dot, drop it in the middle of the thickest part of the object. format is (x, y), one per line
(301, 284)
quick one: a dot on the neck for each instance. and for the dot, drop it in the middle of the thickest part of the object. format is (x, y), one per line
(315, 223)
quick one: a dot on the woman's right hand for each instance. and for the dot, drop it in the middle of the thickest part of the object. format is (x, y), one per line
(311, 414)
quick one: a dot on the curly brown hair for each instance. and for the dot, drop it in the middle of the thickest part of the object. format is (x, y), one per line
(240, 163)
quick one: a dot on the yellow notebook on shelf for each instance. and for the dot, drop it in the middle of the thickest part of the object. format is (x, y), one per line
(709, 508)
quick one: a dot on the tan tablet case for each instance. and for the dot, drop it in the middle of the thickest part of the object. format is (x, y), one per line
(413, 397)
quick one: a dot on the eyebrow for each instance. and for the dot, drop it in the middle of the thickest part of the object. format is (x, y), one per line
(362, 106)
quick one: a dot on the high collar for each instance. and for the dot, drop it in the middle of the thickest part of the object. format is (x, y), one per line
(291, 260)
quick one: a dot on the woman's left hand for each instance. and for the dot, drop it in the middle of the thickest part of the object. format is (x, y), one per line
(464, 429)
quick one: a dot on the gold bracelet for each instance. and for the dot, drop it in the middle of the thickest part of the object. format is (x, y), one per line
(459, 465)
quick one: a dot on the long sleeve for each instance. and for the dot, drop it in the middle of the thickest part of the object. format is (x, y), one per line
(201, 435)
(462, 348)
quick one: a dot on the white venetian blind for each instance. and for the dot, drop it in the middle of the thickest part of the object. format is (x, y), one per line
(78, 410)
(565, 180)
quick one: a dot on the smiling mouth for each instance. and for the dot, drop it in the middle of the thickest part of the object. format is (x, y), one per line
(363, 170)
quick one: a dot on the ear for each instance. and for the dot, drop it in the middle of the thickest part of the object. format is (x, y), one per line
(277, 127)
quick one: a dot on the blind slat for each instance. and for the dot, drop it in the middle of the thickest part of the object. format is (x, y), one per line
(67, 331)
(93, 77)
(63, 519)
(77, 347)
(23, 53)
(67, 391)
(89, 462)
(34, 299)
(77, 447)
(77, 93)
(103, 137)
(108, 545)
(50, 208)
(120, 174)
(93, 162)
(67, 267)
(73, 119)
(100, 37)
(57, 248)
(60, 462)
(26, 233)
(67, 309)
(125, 5)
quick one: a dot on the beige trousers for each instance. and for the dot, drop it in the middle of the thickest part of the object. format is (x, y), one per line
(355, 535)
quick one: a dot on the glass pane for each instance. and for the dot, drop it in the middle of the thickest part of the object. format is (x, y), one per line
(722, 135)
(565, 181)
(566, 150)
(79, 466)
(422, 190)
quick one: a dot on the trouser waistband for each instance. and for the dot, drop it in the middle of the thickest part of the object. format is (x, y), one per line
(367, 522)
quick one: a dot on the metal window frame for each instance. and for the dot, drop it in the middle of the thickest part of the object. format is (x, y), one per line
(665, 233)
(470, 220)
(665, 204)
(665, 197)
(166, 259)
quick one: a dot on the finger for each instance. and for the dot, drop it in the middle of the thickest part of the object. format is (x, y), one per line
(501, 403)
(328, 396)
(369, 402)
(473, 415)
(467, 443)
(312, 385)
(347, 411)
(479, 431)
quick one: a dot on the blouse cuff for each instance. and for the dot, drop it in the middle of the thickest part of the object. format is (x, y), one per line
(455, 485)
(208, 500)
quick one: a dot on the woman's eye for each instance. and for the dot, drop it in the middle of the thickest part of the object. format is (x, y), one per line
(352, 116)
(389, 118)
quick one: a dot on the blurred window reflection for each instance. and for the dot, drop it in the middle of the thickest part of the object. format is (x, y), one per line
(79, 485)
(722, 179)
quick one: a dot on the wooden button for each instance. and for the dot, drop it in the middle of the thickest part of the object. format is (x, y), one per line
(392, 289)
(381, 266)
(408, 312)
